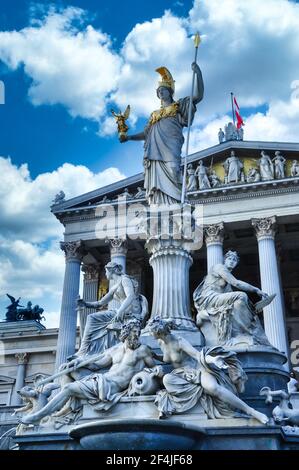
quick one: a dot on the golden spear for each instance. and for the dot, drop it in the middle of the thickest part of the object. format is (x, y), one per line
(196, 44)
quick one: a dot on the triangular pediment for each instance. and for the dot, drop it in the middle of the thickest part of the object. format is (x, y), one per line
(6, 380)
(132, 187)
(106, 193)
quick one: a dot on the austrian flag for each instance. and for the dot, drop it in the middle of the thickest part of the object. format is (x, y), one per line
(240, 121)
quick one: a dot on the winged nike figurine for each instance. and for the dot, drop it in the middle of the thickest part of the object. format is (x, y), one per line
(121, 120)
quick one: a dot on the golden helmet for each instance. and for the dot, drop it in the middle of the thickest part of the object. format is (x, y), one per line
(166, 77)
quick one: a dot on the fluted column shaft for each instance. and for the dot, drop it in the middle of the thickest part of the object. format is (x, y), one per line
(171, 300)
(274, 321)
(68, 316)
(118, 251)
(90, 291)
(118, 254)
(20, 379)
(214, 235)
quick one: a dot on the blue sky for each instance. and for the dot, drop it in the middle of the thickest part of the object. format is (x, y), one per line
(31, 134)
(65, 64)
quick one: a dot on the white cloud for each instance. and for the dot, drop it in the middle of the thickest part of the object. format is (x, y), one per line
(70, 65)
(162, 41)
(207, 136)
(31, 270)
(25, 202)
(52, 320)
(31, 262)
(280, 122)
(250, 48)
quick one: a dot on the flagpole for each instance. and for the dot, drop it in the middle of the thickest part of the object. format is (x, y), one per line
(233, 111)
(196, 44)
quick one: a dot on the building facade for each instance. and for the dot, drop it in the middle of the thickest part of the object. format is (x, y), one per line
(248, 193)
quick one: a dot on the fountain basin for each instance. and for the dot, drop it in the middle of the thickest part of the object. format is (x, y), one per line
(138, 434)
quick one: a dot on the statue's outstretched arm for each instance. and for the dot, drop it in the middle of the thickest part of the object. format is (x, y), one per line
(98, 303)
(124, 138)
(140, 136)
(241, 285)
(109, 296)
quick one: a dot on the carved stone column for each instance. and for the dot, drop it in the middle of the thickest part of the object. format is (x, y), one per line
(90, 290)
(171, 238)
(66, 344)
(214, 235)
(171, 298)
(118, 253)
(22, 359)
(274, 320)
(118, 250)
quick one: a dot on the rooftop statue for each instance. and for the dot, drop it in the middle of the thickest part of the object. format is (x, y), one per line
(102, 328)
(202, 174)
(30, 313)
(295, 168)
(12, 309)
(163, 139)
(234, 169)
(192, 179)
(60, 197)
(221, 136)
(140, 193)
(253, 175)
(228, 314)
(214, 179)
(266, 167)
(230, 132)
(279, 162)
(16, 312)
(212, 377)
(104, 390)
(240, 133)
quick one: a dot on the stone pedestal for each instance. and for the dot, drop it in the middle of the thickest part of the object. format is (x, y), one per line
(265, 367)
(20, 327)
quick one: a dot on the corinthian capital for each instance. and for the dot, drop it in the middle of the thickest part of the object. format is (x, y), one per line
(214, 233)
(118, 246)
(22, 357)
(73, 250)
(265, 228)
(91, 272)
